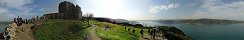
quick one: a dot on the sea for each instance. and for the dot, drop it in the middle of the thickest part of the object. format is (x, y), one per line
(206, 31)
(3, 25)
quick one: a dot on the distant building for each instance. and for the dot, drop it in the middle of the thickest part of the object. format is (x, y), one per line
(67, 10)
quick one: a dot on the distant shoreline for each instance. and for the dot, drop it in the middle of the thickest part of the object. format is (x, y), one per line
(3, 25)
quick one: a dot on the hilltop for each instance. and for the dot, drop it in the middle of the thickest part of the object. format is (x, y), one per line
(69, 29)
(68, 24)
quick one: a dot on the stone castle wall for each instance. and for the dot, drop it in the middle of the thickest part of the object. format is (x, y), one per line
(67, 10)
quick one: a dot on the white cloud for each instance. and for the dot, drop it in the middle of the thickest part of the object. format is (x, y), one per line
(3, 10)
(4, 14)
(158, 8)
(21, 8)
(200, 14)
(221, 10)
(212, 5)
(15, 3)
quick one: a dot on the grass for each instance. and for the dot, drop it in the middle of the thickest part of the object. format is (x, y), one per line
(76, 30)
(111, 31)
(61, 30)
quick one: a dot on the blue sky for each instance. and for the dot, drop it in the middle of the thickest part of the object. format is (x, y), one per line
(130, 9)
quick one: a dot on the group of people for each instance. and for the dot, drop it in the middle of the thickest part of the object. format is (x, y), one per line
(133, 30)
(19, 20)
(129, 29)
(156, 32)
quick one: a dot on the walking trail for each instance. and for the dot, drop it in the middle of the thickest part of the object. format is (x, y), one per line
(93, 35)
(23, 32)
(146, 36)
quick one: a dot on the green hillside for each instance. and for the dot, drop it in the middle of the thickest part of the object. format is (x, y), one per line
(115, 32)
(61, 30)
(75, 30)
(94, 30)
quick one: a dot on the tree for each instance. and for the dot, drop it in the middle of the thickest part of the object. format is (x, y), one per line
(88, 16)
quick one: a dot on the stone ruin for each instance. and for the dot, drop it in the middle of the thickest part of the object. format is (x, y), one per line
(67, 10)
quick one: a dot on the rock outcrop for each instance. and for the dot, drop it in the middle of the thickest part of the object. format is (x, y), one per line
(10, 32)
(170, 33)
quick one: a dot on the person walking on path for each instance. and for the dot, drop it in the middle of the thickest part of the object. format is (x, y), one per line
(141, 32)
(133, 31)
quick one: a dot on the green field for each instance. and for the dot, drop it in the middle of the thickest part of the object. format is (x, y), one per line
(61, 30)
(116, 32)
(76, 30)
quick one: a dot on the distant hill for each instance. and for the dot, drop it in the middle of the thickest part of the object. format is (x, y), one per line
(209, 21)
(127, 21)
(200, 21)
(5, 22)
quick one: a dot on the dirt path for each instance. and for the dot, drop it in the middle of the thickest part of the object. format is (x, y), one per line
(93, 35)
(146, 36)
(24, 32)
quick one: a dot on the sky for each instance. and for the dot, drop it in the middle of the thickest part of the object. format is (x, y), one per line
(130, 9)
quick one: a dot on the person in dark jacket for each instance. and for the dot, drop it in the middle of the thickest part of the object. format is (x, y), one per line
(133, 31)
(141, 31)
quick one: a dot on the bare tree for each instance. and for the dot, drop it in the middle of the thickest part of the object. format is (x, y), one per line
(88, 16)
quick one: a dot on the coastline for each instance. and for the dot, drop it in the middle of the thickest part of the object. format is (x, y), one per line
(22, 32)
(9, 32)
(25, 32)
(3, 26)
(71, 26)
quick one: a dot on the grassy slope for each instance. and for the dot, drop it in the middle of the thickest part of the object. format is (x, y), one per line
(115, 32)
(118, 32)
(61, 30)
(72, 29)
(76, 30)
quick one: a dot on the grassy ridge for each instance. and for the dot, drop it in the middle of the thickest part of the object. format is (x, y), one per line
(76, 30)
(111, 31)
(61, 30)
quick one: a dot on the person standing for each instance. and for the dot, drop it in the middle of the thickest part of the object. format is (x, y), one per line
(141, 32)
(133, 31)
(154, 33)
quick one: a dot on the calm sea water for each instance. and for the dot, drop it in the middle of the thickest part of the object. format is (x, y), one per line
(3, 26)
(208, 32)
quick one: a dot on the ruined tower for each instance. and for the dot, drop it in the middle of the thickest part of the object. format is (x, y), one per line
(69, 11)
